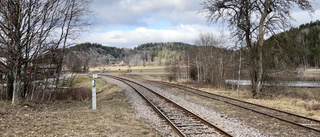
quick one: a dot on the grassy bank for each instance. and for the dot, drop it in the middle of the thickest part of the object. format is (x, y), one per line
(113, 116)
(302, 102)
(135, 69)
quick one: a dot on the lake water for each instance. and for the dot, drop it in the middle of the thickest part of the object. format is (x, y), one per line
(279, 83)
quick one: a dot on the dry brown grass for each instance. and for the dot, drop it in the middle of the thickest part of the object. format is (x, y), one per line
(85, 81)
(297, 106)
(312, 73)
(135, 69)
(113, 117)
(309, 108)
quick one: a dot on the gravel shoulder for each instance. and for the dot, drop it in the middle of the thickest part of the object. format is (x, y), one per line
(237, 121)
(142, 110)
(249, 123)
(233, 126)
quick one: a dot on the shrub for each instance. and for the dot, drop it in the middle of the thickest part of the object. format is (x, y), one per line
(78, 94)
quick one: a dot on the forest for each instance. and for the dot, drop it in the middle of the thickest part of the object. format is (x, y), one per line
(93, 54)
(210, 60)
(297, 46)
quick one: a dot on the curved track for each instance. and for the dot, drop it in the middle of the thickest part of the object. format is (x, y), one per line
(301, 121)
(184, 122)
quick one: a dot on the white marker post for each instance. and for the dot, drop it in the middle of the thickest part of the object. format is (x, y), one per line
(94, 95)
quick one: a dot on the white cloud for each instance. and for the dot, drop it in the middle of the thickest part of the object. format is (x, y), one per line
(302, 17)
(134, 12)
(148, 20)
(129, 23)
(132, 38)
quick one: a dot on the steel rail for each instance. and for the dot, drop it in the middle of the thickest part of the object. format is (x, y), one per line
(189, 89)
(178, 131)
(175, 128)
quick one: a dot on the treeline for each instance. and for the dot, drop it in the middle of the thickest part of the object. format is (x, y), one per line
(33, 39)
(172, 46)
(114, 51)
(156, 54)
(210, 62)
(297, 47)
(149, 54)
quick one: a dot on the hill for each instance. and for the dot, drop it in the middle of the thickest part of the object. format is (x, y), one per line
(298, 47)
(100, 49)
(157, 54)
(93, 54)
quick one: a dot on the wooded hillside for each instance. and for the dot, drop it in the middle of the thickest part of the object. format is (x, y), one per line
(297, 47)
(93, 54)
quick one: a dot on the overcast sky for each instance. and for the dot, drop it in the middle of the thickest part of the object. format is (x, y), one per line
(129, 23)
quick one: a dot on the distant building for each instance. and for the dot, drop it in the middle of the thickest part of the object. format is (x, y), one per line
(122, 63)
(46, 65)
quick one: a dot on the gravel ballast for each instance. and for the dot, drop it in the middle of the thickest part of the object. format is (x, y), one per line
(228, 124)
(234, 120)
(142, 109)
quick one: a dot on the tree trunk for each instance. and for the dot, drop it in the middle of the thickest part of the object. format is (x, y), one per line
(188, 69)
(9, 86)
(16, 86)
(257, 69)
(239, 71)
(258, 65)
(198, 69)
(256, 83)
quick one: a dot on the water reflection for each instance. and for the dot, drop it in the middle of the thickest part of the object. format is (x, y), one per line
(279, 83)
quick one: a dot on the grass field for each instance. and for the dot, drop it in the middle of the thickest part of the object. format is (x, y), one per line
(309, 107)
(135, 69)
(113, 116)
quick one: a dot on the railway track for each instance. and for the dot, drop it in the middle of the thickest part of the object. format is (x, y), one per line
(182, 121)
(297, 120)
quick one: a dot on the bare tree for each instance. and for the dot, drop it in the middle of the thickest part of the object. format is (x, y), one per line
(252, 21)
(209, 59)
(176, 66)
(29, 28)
